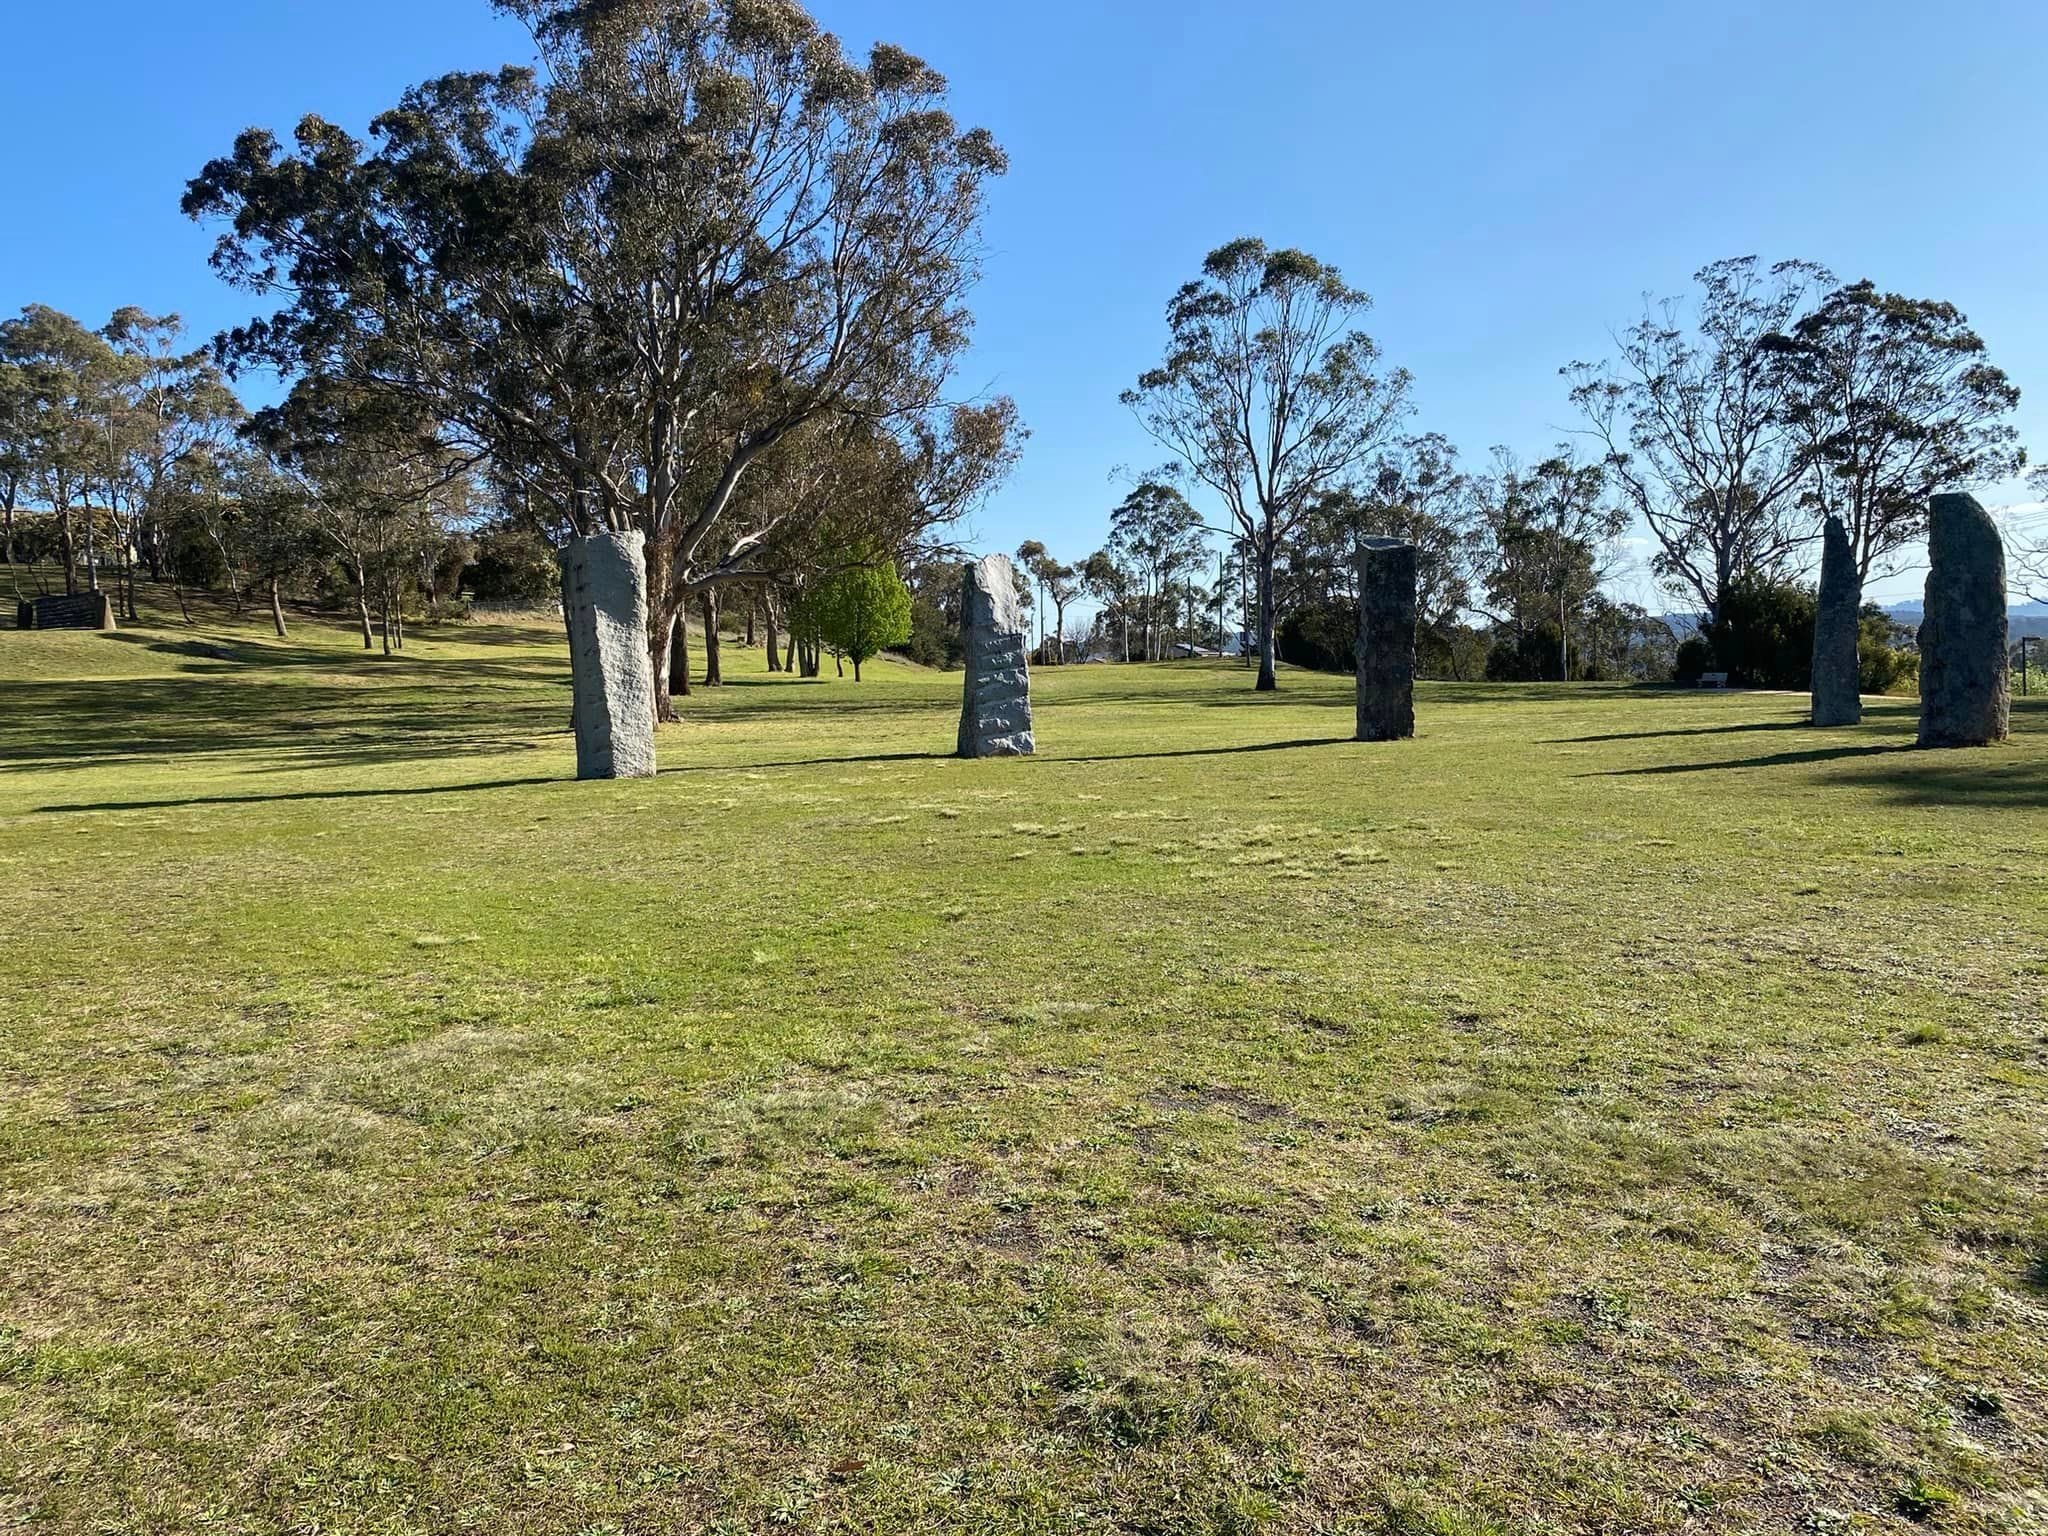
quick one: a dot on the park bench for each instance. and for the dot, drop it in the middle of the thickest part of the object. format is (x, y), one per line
(1713, 679)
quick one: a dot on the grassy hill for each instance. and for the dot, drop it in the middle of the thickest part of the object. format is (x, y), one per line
(1613, 1111)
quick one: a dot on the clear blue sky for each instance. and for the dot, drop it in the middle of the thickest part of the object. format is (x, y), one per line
(1506, 179)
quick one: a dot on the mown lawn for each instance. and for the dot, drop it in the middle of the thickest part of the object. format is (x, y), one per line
(1612, 1112)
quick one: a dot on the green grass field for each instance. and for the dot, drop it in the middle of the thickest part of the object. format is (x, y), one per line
(1611, 1112)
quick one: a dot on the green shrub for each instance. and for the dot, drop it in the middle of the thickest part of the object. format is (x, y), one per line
(1695, 661)
(1321, 637)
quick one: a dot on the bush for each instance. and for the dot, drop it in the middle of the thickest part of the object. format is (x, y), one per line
(1531, 659)
(1763, 635)
(934, 638)
(1695, 661)
(1322, 637)
(1880, 666)
(513, 565)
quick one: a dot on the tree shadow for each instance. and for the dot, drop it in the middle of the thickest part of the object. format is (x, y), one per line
(1255, 746)
(294, 722)
(1982, 776)
(1769, 760)
(1871, 715)
(186, 801)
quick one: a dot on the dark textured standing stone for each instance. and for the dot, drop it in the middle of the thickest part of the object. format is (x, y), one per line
(995, 707)
(1837, 691)
(1386, 640)
(611, 674)
(1965, 692)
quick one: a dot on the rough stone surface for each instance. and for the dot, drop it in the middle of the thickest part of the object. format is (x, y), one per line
(995, 709)
(77, 610)
(1965, 692)
(604, 604)
(1386, 640)
(1837, 693)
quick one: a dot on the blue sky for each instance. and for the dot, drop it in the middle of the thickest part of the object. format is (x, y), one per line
(1506, 179)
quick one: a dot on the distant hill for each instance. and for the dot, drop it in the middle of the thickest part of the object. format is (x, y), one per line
(2022, 619)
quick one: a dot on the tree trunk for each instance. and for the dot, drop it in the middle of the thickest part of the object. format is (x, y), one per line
(753, 602)
(276, 608)
(67, 543)
(363, 603)
(679, 656)
(13, 571)
(856, 669)
(178, 587)
(384, 601)
(668, 647)
(768, 629)
(708, 601)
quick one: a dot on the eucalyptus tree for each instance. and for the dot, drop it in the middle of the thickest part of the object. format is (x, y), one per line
(844, 485)
(627, 275)
(1414, 490)
(172, 405)
(1545, 541)
(1155, 534)
(1061, 584)
(1888, 399)
(1058, 585)
(16, 405)
(1268, 393)
(1105, 578)
(1691, 414)
(64, 380)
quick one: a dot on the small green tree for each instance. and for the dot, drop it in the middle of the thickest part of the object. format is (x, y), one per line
(862, 611)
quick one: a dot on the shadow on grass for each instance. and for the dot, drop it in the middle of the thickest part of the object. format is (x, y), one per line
(1959, 776)
(1877, 714)
(1908, 774)
(1768, 760)
(183, 802)
(391, 718)
(1254, 746)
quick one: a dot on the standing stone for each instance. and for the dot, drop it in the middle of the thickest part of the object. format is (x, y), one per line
(1965, 693)
(604, 604)
(1837, 691)
(995, 710)
(1386, 640)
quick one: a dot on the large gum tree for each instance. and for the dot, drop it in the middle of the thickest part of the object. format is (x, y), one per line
(1270, 392)
(626, 275)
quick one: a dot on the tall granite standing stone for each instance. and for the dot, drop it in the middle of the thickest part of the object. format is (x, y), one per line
(995, 709)
(1386, 640)
(1837, 692)
(1965, 692)
(604, 605)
